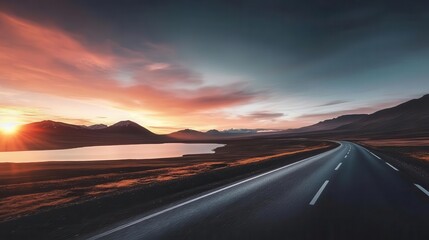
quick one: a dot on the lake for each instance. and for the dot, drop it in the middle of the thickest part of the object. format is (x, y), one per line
(114, 152)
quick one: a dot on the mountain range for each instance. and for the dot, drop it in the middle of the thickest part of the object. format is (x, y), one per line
(330, 124)
(410, 118)
(52, 127)
(190, 134)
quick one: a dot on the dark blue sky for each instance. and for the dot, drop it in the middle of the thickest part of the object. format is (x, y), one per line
(301, 59)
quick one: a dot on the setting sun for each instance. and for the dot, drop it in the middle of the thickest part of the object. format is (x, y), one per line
(9, 127)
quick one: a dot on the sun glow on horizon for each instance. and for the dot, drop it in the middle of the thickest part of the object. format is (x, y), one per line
(9, 127)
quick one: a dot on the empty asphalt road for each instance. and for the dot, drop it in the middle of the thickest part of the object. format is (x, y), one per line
(345, 193)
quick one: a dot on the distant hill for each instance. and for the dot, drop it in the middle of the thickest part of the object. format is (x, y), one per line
(97, 126)
(330, 123)
(53, 135)
(189, 134)
(52, 127)
(412, 115)
(128, 127)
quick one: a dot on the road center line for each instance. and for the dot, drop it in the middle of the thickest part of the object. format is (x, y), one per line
(339, 165)
(206, 195)
(422, 189)
(314, 200)
(345, 156)
(392, 166)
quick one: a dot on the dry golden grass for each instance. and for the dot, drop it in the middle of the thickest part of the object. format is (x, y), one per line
(417, 148)
(398, 142)
(420, 155)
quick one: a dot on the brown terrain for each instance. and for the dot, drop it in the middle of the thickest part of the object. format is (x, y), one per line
(30, 190)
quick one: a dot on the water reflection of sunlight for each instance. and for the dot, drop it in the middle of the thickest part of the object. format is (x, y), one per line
(112, 152)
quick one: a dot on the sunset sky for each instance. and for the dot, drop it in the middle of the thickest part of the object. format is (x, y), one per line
(171, 65)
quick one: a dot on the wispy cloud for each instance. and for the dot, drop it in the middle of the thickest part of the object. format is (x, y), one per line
(264, 115)
(358, 110)
(50, 60)
(331, 103)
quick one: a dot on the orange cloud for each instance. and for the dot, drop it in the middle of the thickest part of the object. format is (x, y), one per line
(50, 60)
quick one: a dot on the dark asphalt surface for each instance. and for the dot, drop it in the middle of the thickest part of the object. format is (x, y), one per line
(363, 198)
